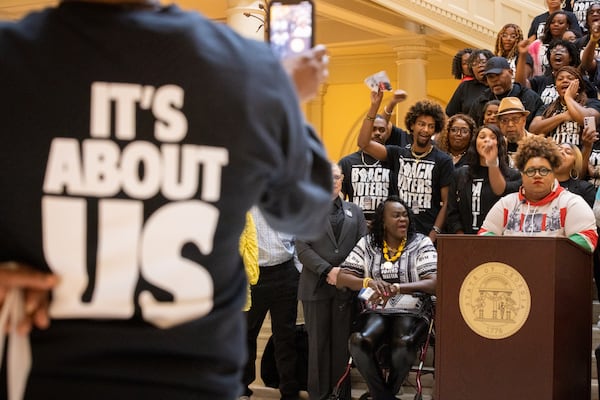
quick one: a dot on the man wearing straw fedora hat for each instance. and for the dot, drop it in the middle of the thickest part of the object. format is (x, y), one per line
(511, 119)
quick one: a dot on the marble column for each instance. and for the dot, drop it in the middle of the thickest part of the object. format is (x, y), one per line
(411, 73)
(314, 111)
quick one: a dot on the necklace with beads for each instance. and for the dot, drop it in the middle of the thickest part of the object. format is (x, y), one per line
(419, 157)
(390, 260)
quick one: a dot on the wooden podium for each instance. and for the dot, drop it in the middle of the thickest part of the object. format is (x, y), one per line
(548, 358)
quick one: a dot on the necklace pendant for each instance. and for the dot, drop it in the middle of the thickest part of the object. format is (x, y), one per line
(387, 265)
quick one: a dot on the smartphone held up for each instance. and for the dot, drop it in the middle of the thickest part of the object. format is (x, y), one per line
(589, 122)
(291, 26)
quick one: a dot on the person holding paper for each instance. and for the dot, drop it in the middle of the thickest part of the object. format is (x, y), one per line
(422, 173)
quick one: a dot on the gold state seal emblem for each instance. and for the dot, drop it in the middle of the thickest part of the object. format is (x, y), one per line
(494, 300)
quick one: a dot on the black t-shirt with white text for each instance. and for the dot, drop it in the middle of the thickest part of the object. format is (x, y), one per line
(569, 131)
(366, 181)
(419, 182)
(134, 142)
(471, 197)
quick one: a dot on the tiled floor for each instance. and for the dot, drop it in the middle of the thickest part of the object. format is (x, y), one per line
(263, 393)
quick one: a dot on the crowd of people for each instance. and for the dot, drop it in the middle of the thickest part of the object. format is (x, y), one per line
(513, 153)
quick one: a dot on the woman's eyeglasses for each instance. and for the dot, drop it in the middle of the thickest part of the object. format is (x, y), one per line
(508, 36)
(543, 171)
(462, 131)
(481, 61)
(380, 129)
(555, 51)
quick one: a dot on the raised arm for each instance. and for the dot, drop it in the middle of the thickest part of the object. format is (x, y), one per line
(388, 110)
(369, 146)
(521, 74)
(576, 110)
(308, 71)
(299, 162)
(497, 181)
(588, 56)
(588, 137)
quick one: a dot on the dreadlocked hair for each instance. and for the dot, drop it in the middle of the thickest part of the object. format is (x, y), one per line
(514, 51)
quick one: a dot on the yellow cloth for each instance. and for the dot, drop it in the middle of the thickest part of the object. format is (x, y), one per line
(249, 253)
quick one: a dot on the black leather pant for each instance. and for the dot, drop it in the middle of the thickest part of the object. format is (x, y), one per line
(404, 333)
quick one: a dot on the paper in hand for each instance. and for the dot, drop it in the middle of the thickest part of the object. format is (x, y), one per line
(379, 81)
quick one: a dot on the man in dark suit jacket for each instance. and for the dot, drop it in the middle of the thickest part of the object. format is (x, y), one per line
(327, 310)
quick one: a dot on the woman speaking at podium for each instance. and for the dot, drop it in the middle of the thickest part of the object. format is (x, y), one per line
(541, 207)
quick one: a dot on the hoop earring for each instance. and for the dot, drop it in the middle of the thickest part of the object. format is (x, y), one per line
(576, 174)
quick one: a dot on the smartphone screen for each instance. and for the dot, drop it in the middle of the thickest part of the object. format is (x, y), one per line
(589, 121)
(291, 26)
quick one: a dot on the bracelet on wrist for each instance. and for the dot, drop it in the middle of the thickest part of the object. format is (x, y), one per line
(397, 287)
(366, 282)
(493, 163)
(370, 118)
(436, 229)
(386, 111)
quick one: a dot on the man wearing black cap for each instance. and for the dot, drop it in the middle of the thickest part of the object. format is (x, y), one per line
(499, 75)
